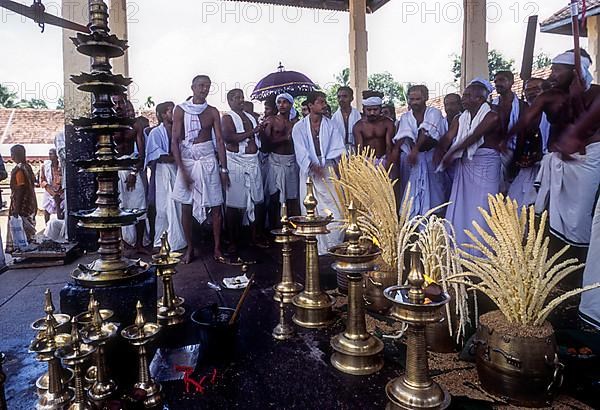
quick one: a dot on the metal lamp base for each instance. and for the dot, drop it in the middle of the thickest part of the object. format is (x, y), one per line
(357, 356)
(402, 396)
(153, 396)
(53, 401)
(169, 316)
(313, 311)
(102, 391)
(283, 331)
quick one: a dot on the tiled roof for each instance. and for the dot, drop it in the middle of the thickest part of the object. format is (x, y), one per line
(438, 101)
(560, 22)
(29, 126)
(341, 5)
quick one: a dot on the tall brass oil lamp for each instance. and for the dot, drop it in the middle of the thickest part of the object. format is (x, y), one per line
(287, 288)
(313, 307)
(60, 322)
(98, 333)
(75, 354)
(140, 334)
(107, 218)
(169, 307)
(356, 351)
(415, 389)
(57, 395)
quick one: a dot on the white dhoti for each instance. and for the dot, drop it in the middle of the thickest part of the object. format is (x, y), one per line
(568, 189)
(48, 203)
(522, 189)
(283, 176)
(168, 212)
(246, 189)
(200, 162)
(403, 172)
(589, 308)
(474, 180)
(326, 204)
(506, 158)
(134, 199)
(428, 187)
(56, 230)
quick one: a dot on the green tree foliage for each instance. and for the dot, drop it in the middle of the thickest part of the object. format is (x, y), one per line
(34, 103)
(496, 62)
(541, 60)
(7, 98)
(60, 104)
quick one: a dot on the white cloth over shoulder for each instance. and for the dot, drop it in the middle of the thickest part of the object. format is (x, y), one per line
(332, 147)
(589, 308)
(168, 212)
(191, 122)
(433, 123)
(466, 127)
(515, 112)
(353, 118)
(134, 199)
(157, 144)
(239, 128)
(567, 189)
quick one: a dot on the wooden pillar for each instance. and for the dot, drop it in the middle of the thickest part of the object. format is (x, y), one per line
(80, 187)
(358, 49)
(474, 59)
(117, 21)
(593, 29)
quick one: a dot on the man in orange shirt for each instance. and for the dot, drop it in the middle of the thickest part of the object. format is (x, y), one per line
(22, 195)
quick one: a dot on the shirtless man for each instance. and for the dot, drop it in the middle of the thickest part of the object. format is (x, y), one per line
(282, 184)
(567, 189)
(132, 184)
(200, 177)
(474, 143)
(246, 191)
(374, 130)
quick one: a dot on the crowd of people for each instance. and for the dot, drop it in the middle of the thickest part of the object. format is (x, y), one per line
(237, 169)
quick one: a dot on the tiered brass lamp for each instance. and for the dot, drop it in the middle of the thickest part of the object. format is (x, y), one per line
(415, 390)
(313, 307)
(287, 288)
(169, 307)
(111, 267)
(356, 351)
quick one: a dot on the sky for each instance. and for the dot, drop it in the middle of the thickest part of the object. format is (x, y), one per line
(238, 43)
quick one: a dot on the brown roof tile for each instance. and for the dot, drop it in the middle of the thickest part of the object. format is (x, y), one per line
(30, 126)
(560, 22)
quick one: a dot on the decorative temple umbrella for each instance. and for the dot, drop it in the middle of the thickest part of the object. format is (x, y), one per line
(283, 81)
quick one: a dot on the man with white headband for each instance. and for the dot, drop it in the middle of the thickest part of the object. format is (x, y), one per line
(282, 179)
(346, 116)
(319, 144)
(246, 191)
(567, 189)
(472, 144)
(199, 174)
(374, 130)
(418, 134)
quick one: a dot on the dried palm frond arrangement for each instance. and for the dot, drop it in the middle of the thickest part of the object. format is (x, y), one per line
(515, 271)
(368, 184)
(437, 241)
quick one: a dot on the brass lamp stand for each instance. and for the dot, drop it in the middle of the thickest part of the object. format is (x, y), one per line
(140, 334)
(356, 351)
(57, 395)
(98, 333)
(415, 389)
(314, 308)
(287, 288)
(169, 307)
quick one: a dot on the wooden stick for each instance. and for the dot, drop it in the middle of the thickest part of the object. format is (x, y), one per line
(575, 27)
(239, 305)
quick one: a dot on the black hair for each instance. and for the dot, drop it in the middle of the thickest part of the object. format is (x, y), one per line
(162, 108)
(201, 77)
(422, 88)
(452, 95)
(313, 95)
(505, 73)
(233, 91)
(17, 149)
(371, 93)
(346, 88)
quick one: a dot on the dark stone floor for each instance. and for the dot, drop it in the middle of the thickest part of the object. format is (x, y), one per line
(260, 373)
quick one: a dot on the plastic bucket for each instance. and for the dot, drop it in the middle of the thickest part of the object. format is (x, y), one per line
(217, 336)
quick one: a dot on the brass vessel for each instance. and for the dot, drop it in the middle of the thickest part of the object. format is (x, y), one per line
(57, 395)
(169, 307)
(75, 354)
(356, 351)
(313, 307)
(140, 334)
(98, 333)
(107, 218)
(415, 389)
(287, 288)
